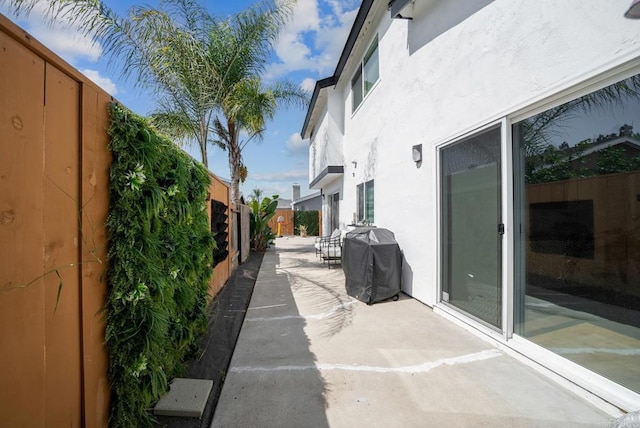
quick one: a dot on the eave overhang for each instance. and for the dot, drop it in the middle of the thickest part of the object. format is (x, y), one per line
(396, 8)
(327, 175)
(359, 22)
(320, 85)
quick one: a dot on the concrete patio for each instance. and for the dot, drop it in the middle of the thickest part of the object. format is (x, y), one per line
(309, 355)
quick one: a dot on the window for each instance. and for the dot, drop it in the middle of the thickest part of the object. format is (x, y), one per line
(577, 176)
(365, 202)
(369, 69)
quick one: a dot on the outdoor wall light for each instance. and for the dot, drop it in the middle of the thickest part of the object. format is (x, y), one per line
(416, 151)
(634, 10)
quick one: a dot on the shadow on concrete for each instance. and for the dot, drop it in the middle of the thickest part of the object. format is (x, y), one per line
(318, 284)
(273, 380)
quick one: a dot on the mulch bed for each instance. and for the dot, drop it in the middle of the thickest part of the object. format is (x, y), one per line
(226, 314)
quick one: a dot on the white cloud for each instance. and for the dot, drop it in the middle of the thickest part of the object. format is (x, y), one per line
(63, 38)
(67, 43)
(314, 39)
(102, 81)
(308, 84)
(296, 146)
(305, 16)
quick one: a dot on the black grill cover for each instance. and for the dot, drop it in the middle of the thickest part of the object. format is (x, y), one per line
(372, 264)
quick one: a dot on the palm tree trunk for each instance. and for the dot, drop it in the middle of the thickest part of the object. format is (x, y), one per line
(234, 163)
(202, 141)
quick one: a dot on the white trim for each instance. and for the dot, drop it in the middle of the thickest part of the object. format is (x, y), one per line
(577, 87)
(611, 72)
(361, 69)
(591, 386)
(591, 382)
(529, 354)
(468, 133)
(596, 386)
(499, 124)
(438, 232)
(375, 85)
(506, 189)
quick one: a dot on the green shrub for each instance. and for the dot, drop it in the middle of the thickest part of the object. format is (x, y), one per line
(309, 219)
(261, 212)
(160, 255)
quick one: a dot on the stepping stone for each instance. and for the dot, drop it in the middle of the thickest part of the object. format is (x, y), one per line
(186, 398)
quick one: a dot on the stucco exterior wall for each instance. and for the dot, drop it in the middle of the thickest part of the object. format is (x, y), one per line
(453, 68)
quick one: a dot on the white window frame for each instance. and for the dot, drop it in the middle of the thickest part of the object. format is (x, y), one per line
(598, 390)
(359, 75)
(362, 201)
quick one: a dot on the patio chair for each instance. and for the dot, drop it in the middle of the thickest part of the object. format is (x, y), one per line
(325, 240)
(330, 248)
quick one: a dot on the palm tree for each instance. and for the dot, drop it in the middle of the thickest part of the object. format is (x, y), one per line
(204, 72)
(237, 51)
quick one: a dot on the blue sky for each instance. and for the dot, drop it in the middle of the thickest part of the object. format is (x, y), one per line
(307, 50)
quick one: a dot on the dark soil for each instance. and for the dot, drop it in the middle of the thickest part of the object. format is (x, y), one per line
(226, 314)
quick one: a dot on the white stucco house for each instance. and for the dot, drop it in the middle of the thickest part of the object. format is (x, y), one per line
(434, 125)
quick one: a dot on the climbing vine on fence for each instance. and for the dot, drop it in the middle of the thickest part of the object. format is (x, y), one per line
(160, 254)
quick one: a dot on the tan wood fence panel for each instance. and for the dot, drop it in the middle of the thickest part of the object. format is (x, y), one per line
(615, 230)
(22, 324)
(53, 178)
(219, 191)
(54, 200)
(286, 228)
(96, 160)
(61, 241)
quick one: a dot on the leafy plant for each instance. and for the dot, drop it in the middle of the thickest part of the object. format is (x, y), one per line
(205, 72)
(302, 229)
(160, 255)
(309, 219)
(261, 212)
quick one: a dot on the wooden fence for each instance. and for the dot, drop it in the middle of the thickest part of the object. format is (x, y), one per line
(286, 228)
(53, 205)
(616, 235)
(53, 177)
(219, 191)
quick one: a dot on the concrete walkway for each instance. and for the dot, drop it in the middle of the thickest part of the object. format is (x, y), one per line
(309, 355)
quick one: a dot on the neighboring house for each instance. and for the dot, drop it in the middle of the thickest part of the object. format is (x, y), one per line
(310, 202)
(284, 204)
(425, 128)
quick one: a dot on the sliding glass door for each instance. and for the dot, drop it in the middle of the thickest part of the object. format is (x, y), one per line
(471, 226)
(577, 186)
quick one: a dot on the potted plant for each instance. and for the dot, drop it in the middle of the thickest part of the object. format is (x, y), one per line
(303, 230)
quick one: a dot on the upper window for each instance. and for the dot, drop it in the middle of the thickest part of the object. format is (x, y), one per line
(365, 202)
(366, 76)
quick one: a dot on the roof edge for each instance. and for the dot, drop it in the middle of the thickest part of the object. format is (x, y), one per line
(361, 17)
(320, 84)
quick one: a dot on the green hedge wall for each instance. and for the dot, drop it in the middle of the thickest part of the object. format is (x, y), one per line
(160, 255)
(309, 219)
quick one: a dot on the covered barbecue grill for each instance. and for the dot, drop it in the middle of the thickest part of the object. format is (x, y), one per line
(372, 264)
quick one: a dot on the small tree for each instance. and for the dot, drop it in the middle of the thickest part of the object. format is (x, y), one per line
(261, 212)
